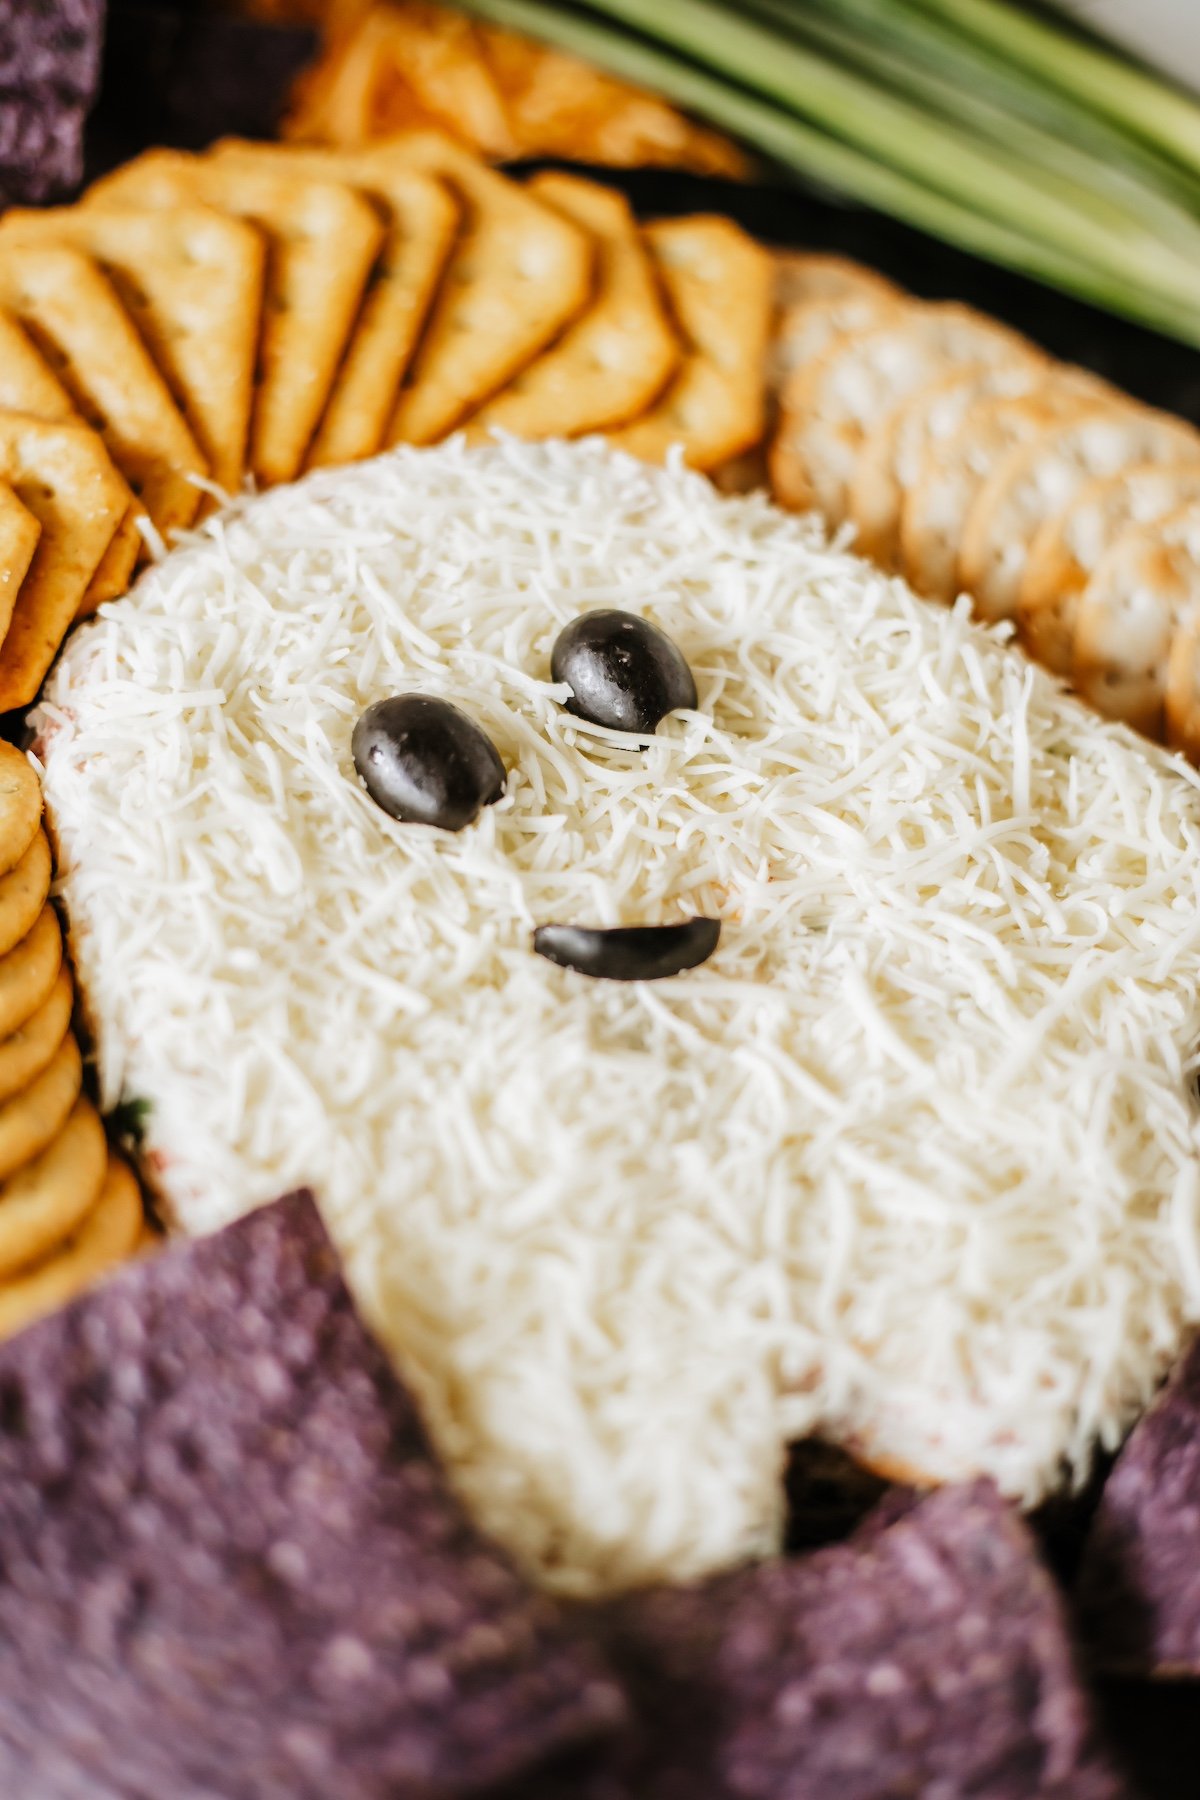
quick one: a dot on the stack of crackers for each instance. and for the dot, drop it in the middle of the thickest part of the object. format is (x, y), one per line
(970, 462)
(69, 1209)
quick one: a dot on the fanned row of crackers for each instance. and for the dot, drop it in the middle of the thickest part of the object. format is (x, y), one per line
(969, 461)
(263, 309)
(69, 1209)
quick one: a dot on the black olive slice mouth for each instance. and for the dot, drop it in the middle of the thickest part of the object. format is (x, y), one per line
(629, 952)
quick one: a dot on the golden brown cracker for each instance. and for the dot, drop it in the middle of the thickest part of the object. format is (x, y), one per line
(1127, 617)
(42, 1204)
(24, 892)
(76, 320)
(19, 534)
(191, 279)
(518, 273)
(802, 276)
(107, 1235)
(718, 284)
(322, 240)
(116, 566)
(28, 972)
(29, 1049)
(421, 218)
(614, 360)
(20, 806)
(32, 1119)
(62, 473)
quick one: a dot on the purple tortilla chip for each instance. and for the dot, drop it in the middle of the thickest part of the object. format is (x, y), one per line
(51, 44)
(41, 145)
(229, 1565)
(925, 1656)
(1139, 1583)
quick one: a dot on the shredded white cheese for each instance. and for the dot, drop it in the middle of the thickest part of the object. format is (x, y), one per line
(912, 1160)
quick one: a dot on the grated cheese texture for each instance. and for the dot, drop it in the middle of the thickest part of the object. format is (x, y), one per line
(911, 1161)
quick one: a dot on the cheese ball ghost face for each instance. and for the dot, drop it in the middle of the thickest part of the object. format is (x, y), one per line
(907, 1158)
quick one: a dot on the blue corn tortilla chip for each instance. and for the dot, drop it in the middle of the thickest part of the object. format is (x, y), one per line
(229, 1565)
(49, 76)
(927, 1655)
(41, 145)
(1138, 1597)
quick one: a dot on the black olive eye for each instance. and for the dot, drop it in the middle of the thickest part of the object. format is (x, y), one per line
(425, 762)
(622, 671)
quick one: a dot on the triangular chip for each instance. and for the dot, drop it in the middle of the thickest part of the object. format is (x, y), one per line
(517, 275)
(421, 218)
(255, 1579)
(62, 474)
(75, 318)
(614, 360)
(19, 534)
(718, 284)
(192, 282)
(323, 239)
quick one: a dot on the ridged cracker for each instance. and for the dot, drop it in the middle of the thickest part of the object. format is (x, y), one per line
(323, 239)
(421, 219)
(718, 284)
(28, 973)
(191, 280)
(935, 509)
(42, 1204)
(19, 534)
(613, 361)
(829, 406)
(1068, 548)
(32, 1046)
(805, 275)
(32, 1119)
(1144, 585)
(1038, 479)
(20, 807)
(23, 892)
(62, 473)
(517, 275)
(894, 450)
(76, 320)
(805, 329)
(108, 1234)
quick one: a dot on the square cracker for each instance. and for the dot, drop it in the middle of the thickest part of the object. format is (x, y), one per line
(77, 322)
(322, 240)
(422, 219)
(517, 275)
(28, 385)
(19, 534)
(615, 359)
(191, 280)
(63, 475)
(719, 284)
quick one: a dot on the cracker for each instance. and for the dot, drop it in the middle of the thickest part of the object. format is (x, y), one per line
(744, 474)
(63, 475)
(806, 275)
(1066, 551)
(23, 892)
(20, 806)
(116, 566)
(46, 1200)
(934, 512)
(617, 356)
(518, 273)
(421, 221)
(191, 280)
(830, 405)
(718, 286)
(1145, 583)
(32, 1119)
(256, 1580)
(108, 1234)
(894, 449)
(28, 1050)
(1181, 699)
(804, 330)
(28, 973)
(76, 320)
(1038, 479)
(322, 239)
(19, 534)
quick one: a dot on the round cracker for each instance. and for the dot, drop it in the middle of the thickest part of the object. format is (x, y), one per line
(1183, 688)
(33, 1046)
(1129, 615)
(45, 1202)
(34, 1117)
(20, 806)
(29, 971)
(23, 893)
(109, 1233)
